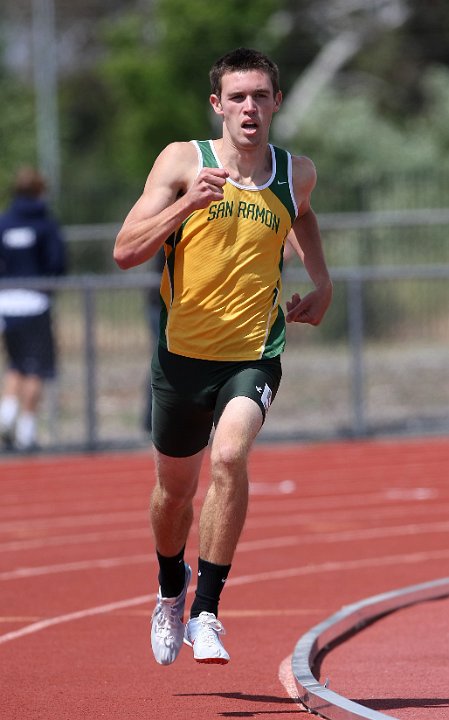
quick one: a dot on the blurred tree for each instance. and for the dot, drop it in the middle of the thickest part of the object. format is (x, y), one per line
(358, 150)
(157, 67)
(134, 76)
(17, 131)
(343, 31)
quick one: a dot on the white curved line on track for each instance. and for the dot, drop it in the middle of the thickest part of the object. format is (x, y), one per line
(328, 515)
(100, 563)
(78, 615)
(315, 538)
(332, 566)
(34, 508)
(288, 682)
(413, 496)
(74, 520)
(77, 539)
(245, 546)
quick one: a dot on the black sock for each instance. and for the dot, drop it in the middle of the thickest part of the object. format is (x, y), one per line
(211, 580)
(172, 574)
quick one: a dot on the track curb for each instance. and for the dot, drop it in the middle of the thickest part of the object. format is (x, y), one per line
(318, 698)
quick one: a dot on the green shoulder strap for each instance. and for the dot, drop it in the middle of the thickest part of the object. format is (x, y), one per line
(280, 185)
(209, 159)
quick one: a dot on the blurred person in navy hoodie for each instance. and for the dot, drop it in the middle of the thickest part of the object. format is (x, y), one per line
(31, 246)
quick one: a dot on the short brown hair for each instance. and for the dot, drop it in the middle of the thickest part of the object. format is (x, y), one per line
(28, 181)
(242, 59)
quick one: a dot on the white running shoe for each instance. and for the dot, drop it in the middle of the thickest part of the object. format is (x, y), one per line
(202, 633)
(167, 629)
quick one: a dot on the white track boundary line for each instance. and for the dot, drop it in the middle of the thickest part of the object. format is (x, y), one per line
(288, 681)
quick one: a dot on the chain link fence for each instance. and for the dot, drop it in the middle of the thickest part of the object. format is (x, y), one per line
(379, 364)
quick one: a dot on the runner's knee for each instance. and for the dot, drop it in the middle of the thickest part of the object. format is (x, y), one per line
(173, 496)
(228, 455)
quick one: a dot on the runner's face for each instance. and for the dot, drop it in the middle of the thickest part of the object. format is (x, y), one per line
(247, 104)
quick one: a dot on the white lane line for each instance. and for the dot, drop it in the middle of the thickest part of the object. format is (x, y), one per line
(303, 518)
(245, 546)
(349, 535)
(334, 566)
(292, 519)
(392, 496)
(78, 615)
(77, 539)
(339, 566)
(282, 487)
(73, 520)
(37, 510)
(414, 496)
(100, 563)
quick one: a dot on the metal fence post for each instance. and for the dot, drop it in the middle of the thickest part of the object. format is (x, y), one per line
(355, 331)
(90, 367)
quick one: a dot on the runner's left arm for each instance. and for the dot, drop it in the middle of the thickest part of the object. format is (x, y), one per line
(305, 238)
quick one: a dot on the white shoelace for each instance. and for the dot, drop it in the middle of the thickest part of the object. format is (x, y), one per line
(166, 618)
(210, 626)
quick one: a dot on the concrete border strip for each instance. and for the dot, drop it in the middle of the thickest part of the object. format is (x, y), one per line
(318, 698)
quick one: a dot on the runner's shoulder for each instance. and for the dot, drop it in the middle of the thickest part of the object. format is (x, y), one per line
(180, 152)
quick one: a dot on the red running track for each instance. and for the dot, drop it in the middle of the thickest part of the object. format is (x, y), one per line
(328, 525)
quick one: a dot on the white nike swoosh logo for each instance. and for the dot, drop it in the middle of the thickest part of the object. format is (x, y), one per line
(282, 182)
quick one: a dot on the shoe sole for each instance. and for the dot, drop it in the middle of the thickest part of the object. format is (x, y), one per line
(211, 661)
(207, 661)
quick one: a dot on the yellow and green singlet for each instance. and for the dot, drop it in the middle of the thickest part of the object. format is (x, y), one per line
(221, 285)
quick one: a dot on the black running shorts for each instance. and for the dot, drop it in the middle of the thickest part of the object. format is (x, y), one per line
(189, 396)
(30, 346)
